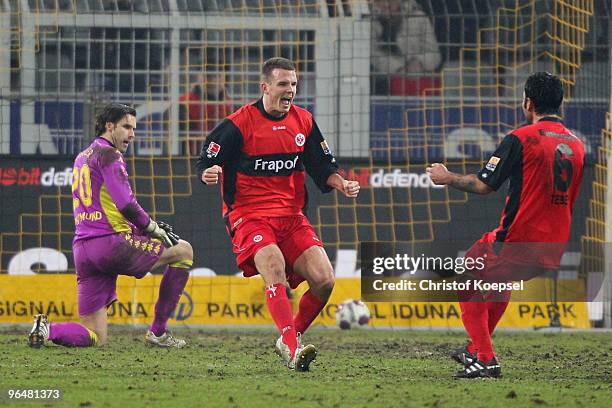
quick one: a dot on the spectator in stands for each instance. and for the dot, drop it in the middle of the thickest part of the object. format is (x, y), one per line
(205, 105)
(404, 43)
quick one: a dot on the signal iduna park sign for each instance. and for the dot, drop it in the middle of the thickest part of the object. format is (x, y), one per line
(232, 300)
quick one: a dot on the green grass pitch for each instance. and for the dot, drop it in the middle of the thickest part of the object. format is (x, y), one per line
(366, 368)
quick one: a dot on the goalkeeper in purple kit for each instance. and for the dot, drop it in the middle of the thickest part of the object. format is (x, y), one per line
(115, 236)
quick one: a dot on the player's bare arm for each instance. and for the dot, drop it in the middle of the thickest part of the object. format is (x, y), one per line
(349, 188)
(469, 183)
(210, 176)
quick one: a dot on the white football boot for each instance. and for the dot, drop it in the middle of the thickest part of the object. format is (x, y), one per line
(304, 355)
(166, 340)
(40, 331)
(282, 350)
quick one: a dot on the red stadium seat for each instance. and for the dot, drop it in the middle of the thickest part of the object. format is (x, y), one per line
(415, 85)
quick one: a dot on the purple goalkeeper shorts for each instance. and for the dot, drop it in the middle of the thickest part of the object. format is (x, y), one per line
(98, 262)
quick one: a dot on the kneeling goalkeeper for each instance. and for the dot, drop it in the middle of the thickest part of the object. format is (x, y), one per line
(115, 236)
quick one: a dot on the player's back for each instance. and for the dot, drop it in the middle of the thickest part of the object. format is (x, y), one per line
(545, 184)
(95, 212)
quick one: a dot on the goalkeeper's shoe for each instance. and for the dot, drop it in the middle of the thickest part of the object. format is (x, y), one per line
(40, 331)
(166, 340)
(463, 356)
(478, 369)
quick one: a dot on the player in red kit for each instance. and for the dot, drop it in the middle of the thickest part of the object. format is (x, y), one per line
(261, 153)
(544, 162)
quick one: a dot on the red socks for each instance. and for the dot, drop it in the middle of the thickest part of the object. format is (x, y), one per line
(476, 322)
(309, 309)
(497, 309)
(480, 320)
(280, 310)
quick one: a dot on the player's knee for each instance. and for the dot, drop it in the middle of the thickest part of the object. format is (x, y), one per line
(98, 336)
(324, 286)
(328, 284)
(275, 269)
(101, 340)
(180, 253)
(96, 325)
(186, 251)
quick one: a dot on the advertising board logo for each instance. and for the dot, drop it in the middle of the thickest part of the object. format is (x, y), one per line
(385, 178)
(12, 176)
(34, 176)
(184, 309)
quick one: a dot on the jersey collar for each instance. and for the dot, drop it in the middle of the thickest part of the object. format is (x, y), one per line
(260, 106)
(551, 119)
(104, 141)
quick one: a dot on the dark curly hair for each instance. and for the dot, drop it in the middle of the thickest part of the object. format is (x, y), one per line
(546, 92)
(113, 112)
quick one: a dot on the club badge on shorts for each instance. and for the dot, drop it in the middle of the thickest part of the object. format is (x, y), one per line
(213, 150)
(492, 164)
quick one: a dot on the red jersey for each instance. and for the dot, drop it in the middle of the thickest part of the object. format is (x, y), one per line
(264, 159)
(544, 162)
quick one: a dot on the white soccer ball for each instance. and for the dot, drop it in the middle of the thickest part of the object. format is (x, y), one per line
(352, 314)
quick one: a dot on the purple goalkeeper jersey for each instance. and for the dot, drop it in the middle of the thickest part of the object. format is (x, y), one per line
(102, 198)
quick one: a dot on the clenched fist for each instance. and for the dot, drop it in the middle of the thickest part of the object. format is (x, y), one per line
(350, 188)
(439, 174)
(211, 175)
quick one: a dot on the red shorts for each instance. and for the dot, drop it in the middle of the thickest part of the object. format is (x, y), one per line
(483, 248)
(512, 261)
(293, 235)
